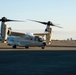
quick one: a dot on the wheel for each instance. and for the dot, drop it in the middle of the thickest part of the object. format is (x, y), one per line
(14, 46)
(43, 47)
(27, 47)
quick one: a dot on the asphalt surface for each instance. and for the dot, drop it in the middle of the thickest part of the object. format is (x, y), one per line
(36, 62)
(56, 59)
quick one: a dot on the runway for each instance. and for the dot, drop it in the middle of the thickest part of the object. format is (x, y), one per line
(38, 62)
(56, 59)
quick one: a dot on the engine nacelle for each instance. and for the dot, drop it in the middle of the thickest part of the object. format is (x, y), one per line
(4, 31)
(48, 36)
(9, 31)
(48, 29)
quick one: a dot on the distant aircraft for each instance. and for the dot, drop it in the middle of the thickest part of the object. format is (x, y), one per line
(15, 39)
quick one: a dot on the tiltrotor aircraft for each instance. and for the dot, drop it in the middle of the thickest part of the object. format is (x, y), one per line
(15, 39)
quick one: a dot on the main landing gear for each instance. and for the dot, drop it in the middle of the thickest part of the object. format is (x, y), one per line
(14, 46)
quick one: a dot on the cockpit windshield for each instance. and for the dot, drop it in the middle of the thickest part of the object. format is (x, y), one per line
(37, 38)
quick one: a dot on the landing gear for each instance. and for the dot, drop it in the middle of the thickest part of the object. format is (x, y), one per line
(27, 47)
(44, 44)
(14, 46)
(43, 47)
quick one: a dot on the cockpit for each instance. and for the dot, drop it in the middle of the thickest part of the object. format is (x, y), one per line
(37, 38)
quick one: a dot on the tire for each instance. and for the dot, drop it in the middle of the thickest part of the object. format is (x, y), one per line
(14, 46)
(27, 47)
(43, 47)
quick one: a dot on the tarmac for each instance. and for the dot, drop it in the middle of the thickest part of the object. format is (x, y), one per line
(56, 59)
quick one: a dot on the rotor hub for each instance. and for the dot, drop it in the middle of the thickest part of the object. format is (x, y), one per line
(49, 23)
(4, 19)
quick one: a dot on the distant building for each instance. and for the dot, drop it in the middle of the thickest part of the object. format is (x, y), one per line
(67, 39)
(71, 39)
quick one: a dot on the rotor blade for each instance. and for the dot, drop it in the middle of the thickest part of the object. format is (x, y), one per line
(0, 19)
(57, 26)
(38, 21)
(4, 19)
(14, 20)
(46, 23)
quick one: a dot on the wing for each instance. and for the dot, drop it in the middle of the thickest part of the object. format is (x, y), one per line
(41, 34)
(17, 34)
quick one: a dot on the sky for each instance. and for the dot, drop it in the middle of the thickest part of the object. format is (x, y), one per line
(60, 12)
